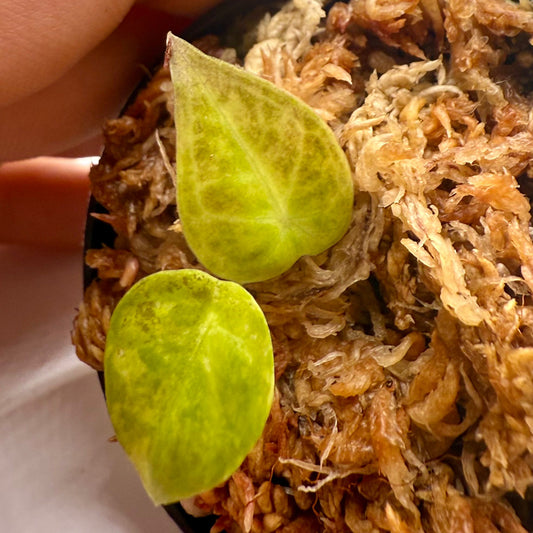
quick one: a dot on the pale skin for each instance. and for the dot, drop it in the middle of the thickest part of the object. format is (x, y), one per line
(65, 68)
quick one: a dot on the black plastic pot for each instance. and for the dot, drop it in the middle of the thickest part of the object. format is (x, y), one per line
(229, 21)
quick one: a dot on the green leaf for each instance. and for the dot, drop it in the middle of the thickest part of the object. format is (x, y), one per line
(261, 179)
(189, 380)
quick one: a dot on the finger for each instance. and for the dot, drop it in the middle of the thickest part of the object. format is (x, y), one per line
(90, 148)
(181, 7)
(40, 41)
(72, 110)
(43, 202)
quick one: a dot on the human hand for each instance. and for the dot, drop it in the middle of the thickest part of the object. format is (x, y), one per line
(66, 67)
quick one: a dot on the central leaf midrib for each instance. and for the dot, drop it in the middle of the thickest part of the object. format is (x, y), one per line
(277, 202)
(205, 323)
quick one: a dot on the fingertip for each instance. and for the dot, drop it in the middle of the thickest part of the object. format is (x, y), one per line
(43, 202)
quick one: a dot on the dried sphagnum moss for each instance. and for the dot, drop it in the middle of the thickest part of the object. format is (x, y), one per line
(404, 354)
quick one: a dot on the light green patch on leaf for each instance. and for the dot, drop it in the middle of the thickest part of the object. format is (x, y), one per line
(189, 380)
(261, 179)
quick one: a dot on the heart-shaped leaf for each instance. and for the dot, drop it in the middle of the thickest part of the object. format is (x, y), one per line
(189, 380)
(261, 179)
